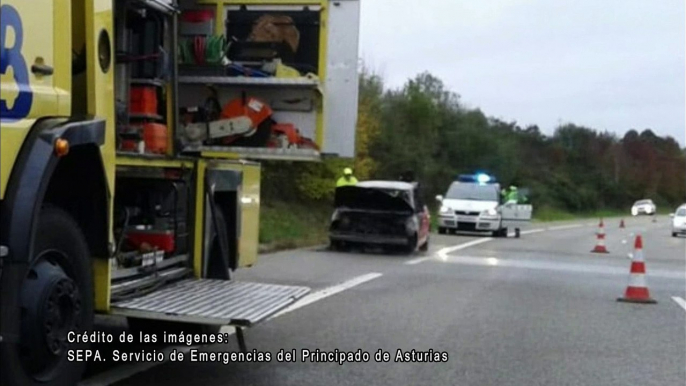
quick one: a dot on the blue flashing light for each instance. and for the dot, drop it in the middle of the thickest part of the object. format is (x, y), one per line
(483, 178)
(479, 177)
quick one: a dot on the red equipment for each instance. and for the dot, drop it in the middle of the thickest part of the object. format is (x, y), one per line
(248, 122)
(286, 135)
(162, 239)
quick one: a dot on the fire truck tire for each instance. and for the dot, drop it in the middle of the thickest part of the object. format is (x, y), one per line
(54, 298)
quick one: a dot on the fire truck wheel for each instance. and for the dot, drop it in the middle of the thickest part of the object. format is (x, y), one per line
(54, 296)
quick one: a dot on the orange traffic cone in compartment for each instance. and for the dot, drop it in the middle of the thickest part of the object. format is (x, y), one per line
(155, 138)
(143, 100)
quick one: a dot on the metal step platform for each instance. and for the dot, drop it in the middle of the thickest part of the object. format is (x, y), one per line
(206, 301)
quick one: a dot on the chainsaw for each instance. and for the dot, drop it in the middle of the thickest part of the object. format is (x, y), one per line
(243, 122)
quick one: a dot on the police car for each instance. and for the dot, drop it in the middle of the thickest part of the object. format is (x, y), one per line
(473, 203)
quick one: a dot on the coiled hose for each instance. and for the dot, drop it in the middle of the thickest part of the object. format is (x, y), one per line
(214, 47)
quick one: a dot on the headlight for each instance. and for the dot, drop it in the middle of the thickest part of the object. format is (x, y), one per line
(445, 210)
(489, 213)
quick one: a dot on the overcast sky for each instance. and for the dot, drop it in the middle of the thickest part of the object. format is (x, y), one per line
(608, 64)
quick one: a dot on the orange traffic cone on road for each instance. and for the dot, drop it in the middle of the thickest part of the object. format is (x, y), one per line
(637, 290)
(600, 239)
(621, 224)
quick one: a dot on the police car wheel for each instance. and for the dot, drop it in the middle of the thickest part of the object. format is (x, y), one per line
(441, 230)
(54, 298)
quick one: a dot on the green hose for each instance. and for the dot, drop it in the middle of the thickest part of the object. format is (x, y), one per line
(214, 49)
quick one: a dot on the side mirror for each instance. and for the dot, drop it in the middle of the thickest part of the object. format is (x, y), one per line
(671, 215)
(439, 198)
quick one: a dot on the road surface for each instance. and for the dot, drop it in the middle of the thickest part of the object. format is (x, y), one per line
(539, 310)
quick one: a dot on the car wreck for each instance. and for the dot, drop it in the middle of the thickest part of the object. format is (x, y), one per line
(380, 213)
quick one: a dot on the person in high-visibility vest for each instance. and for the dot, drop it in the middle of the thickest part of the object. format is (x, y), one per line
(347, 179)
(512, 195)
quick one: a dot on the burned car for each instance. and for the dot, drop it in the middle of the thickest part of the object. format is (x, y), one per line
(381, 213)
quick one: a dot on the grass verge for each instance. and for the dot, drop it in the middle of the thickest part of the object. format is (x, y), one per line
(288, 225)
(547, 214)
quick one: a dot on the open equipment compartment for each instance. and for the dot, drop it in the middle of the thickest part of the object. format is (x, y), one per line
(252, 78)
(144, 74)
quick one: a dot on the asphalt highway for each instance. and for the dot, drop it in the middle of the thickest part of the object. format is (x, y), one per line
(538, 310)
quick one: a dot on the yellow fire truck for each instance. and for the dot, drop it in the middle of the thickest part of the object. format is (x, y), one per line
(131, 135)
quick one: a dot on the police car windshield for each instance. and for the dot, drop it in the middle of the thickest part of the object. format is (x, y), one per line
(469, 191)
(681, 212)
(643, 202)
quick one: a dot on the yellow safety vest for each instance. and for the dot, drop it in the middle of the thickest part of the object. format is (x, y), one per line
(345, 182)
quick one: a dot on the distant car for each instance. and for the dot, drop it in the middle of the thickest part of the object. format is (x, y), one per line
(381, 213)
(643, 207)
(679, 221)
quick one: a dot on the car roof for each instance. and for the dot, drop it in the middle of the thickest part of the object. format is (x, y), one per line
(379, 184)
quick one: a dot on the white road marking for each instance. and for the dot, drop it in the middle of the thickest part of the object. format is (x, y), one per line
(122, 372)
(680, 302)
(326, 292)
(562, 227)
(443, 253)
(417, 260)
